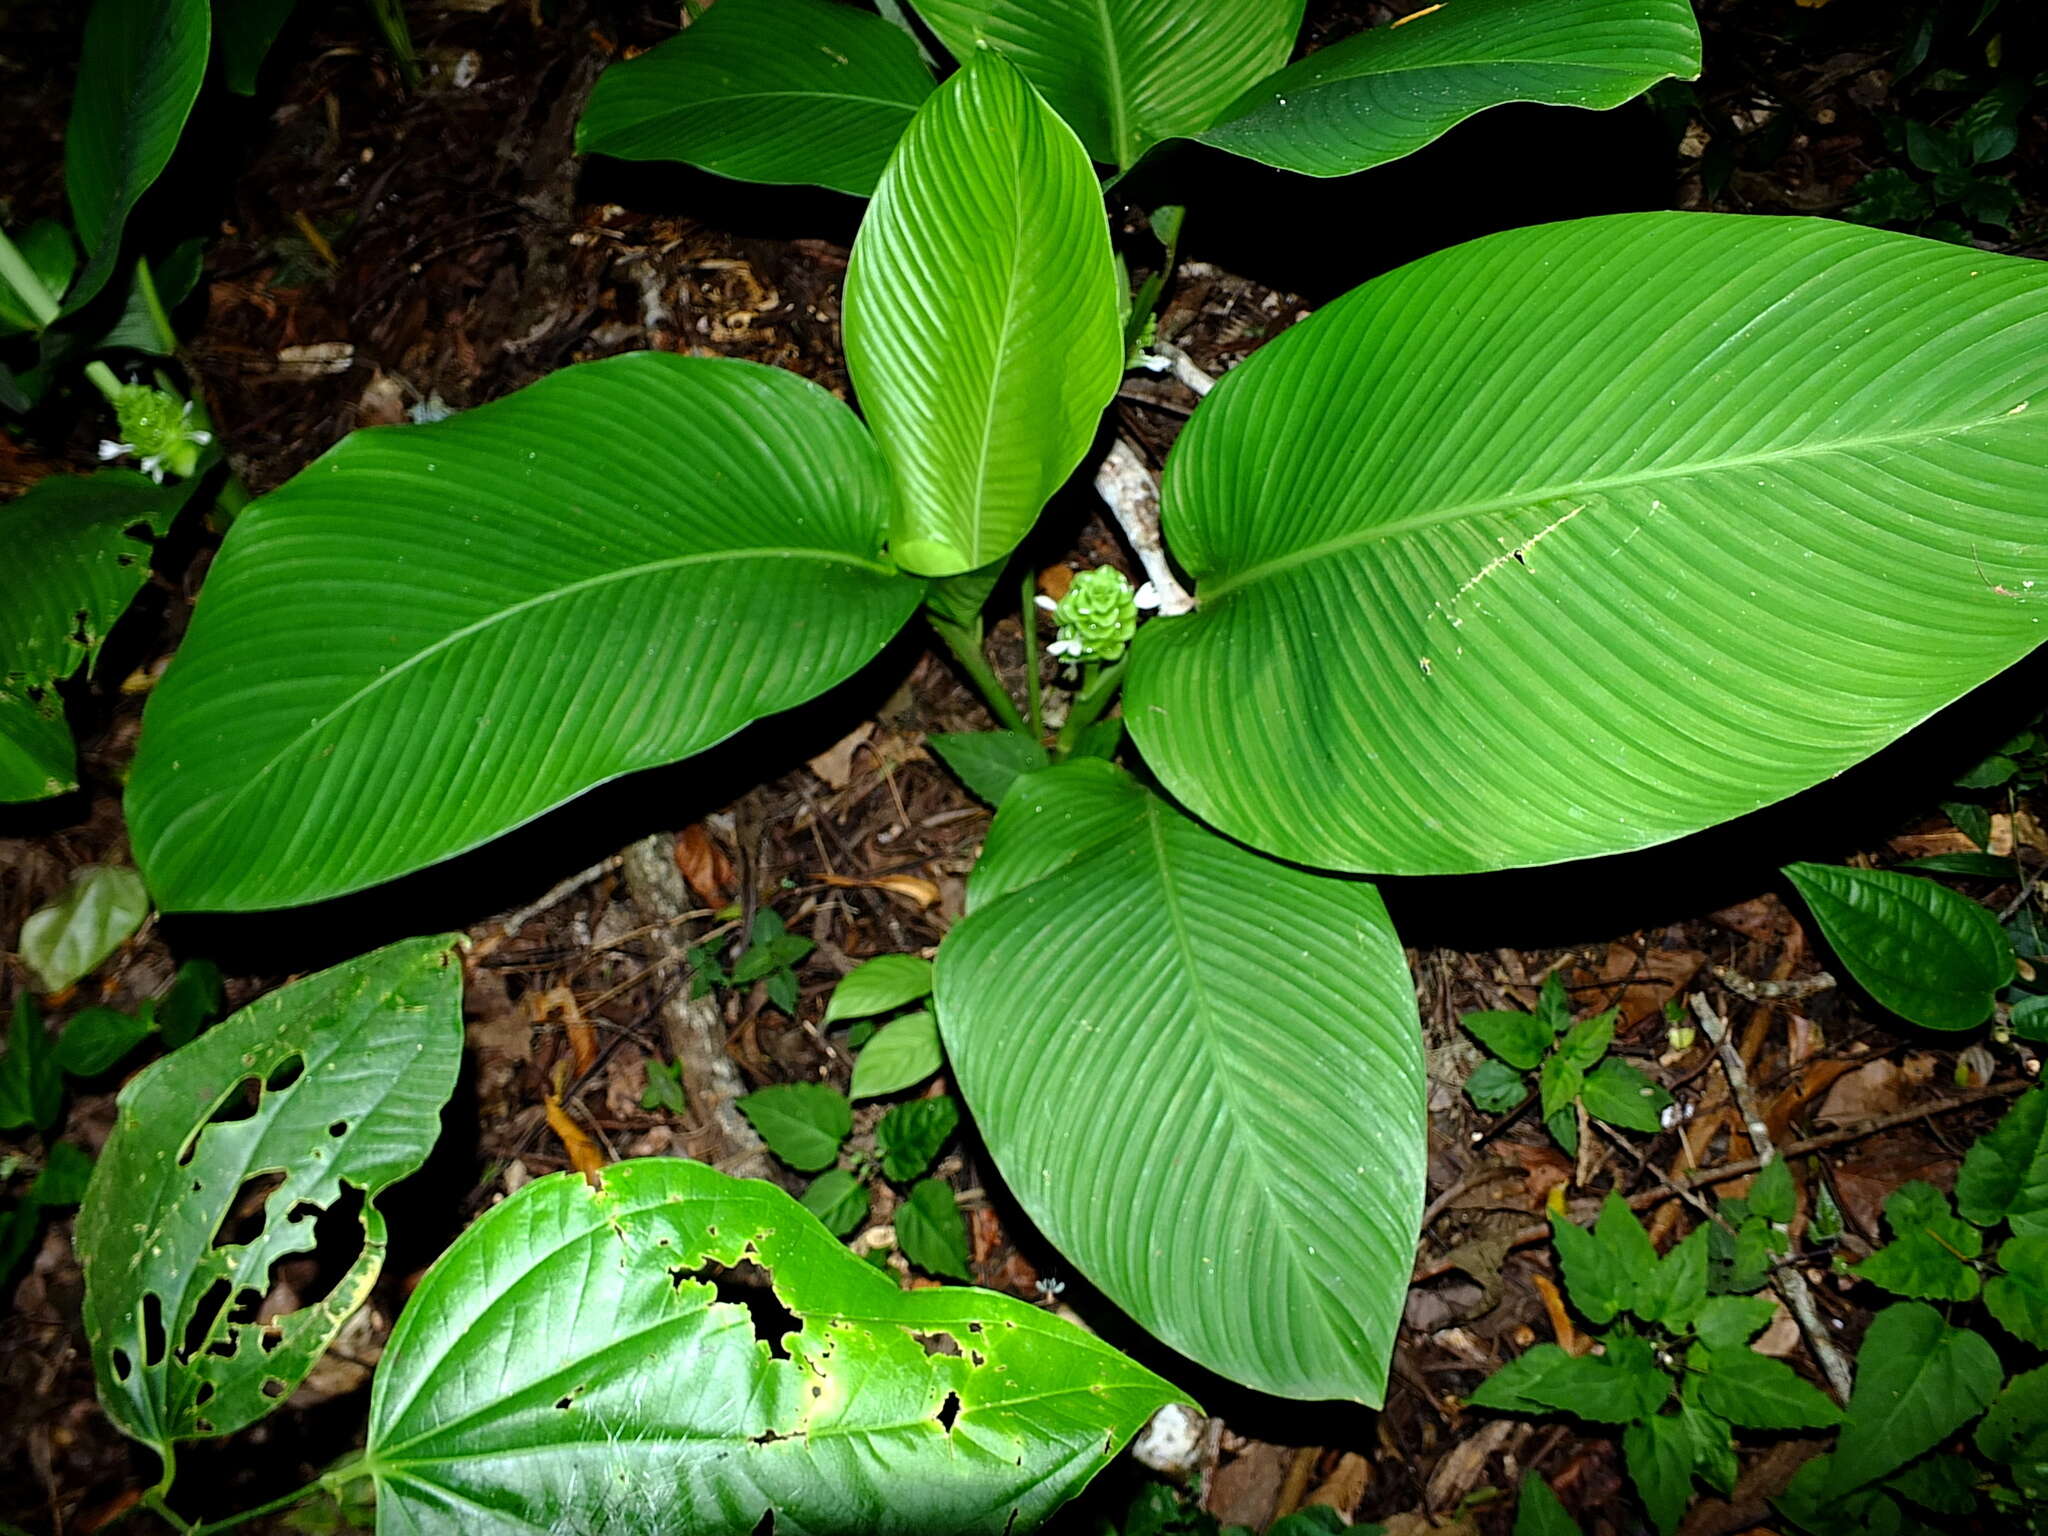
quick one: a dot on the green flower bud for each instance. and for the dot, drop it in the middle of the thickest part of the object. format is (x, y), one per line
(1097, 617)
(157, 428)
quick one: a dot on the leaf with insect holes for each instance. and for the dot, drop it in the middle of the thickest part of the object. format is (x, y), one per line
(326, 1089)
(878, 985)
(931, 1231)
(803, 1123)
(902, 1054)
(910, 1135)
(598, 1359)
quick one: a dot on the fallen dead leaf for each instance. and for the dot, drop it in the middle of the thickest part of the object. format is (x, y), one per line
(1638, 983)
(1765, 918)
(925, 893)
(560, 1003)
(835, 764)
(1875, 1088)
(706, 870)
(1344, 1489)
(584, 1155)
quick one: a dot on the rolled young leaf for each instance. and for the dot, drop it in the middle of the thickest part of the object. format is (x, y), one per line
(765, 90)
(334, 1080)
(1201, 1074)
(1126, 74)
(1387, 92)
(1929, 954)
(141, 70)
(1580, 538)
(581, 1358)
(433, 634)
(981, 317)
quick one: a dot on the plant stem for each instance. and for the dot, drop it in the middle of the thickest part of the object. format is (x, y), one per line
(284, 1502)
(1097, 689)
(1027, 613)
(978, 671)
(21, 277)
(104, 380)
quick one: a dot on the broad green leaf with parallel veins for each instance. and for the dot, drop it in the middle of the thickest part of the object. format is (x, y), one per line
(981, 323)
(1930, 954)
(1451, 531)
(141, 70)
(579, 1359)
(765, 90)
(1385, 93)
(1127, 1009)
(333, 1081)
(1126, 74)
(433, 634)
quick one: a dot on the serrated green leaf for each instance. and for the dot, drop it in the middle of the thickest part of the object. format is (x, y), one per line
(100, 909)
(989, 762)
(1499, 504)
(1918, 1380)
(348, 1070)
(31, 1080)
(73, 531)
(1713, 1443)
(1598, 1281)
(1626, 1245)
(1560, 1083)
(931, 1230)
(981, 325)
(1519, 1039)
(1387, 92)
(1674, 1294)
(803, 1123)
(1140, 1081)
(1930, 1251)
(2005, 1174)
(909, 1136)
(1621, 1095)
(2019, 1297)
(1563, 1126)
(837, 1199)
(1929, 954)
(1554, 1004)
(1727, 1323)
(878, 985)
(1660, 1457)
(651, 1396)
(1587, 1041)
(1771, 1194)
(1496, 1087)
(1757, 1392)
(1538, 1512)
(95, 1038)
(902, 1054)
(1617, 1387)
(138, 77)
(1126, 74)
(785, 91)
(615, 567)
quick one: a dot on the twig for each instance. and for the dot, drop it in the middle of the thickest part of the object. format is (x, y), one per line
(1787, 1279)
(1128, 488)
(1706, 1176)
(1184, 367)
(559, 892)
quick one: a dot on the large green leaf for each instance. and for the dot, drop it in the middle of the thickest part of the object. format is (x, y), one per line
(587, 1359)
(1929, 954)
(1918, 1380)
(78, 567)
(1385, 93)
(139, 74)
(981, 323)
(1200, 1072)
(1126, 73)
(433, 634)
(765, 90)
(1580, 538)
(244, 31)
(334, 1080)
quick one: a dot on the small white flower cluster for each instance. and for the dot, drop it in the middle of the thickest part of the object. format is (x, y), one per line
(162, 436)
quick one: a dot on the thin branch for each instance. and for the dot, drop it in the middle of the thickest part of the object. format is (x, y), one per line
(1128, 488)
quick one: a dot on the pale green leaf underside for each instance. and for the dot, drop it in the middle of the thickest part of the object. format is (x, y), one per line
(72, 531)
(1928, 953)
(567, 1365)
(1126, 74)
(140, 72)
(377, 1043)
(765, 90)
(1387, 92)
(1580, 538)
(433, 634)
(1201, 1074)
(981, 326)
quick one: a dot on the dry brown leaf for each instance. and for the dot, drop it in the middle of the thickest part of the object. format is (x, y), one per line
(1638, 983)
(1764, 918)
(1569, 1339)
(706, 870)
(1545, 1167)
(560, 1003)
(925, 893)
(1344, 1489)
(835, 764)
(1875, 1088)
(1921, 845)
(1054, 581)
(584, 1155)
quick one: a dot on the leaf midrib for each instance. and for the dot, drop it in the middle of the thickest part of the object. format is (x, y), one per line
(1112, 60)
(221, 808)
(1216, 588)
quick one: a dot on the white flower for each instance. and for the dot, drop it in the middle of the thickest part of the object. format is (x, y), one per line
(1047, 603)
(109, 449)
(1065, 648)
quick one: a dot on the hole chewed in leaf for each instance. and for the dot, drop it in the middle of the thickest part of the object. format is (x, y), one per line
(153, 1341)
(285, 1073)
(338, 1130)
(238, 1103)
(274, 1387)
(748, 1285)
(949, 1410)
(199, 1327)
(244, 1220)
(123, 1366)
(938, 1343)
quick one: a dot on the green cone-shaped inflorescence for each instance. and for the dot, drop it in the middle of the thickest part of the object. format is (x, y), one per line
(1098, 616)
(156, 426)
